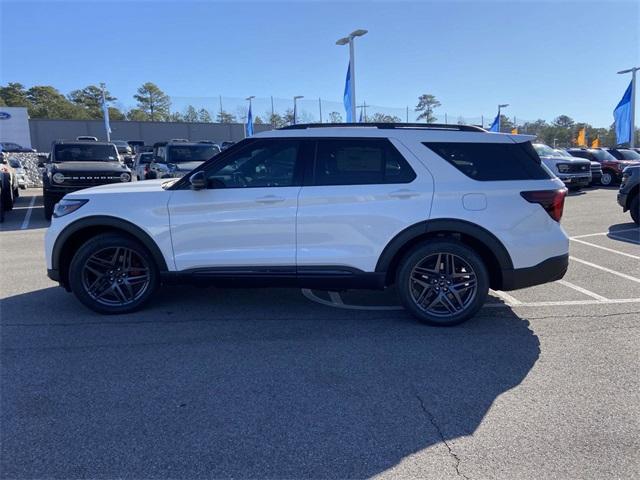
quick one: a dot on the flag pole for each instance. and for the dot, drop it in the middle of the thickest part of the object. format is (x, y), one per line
(633, 108)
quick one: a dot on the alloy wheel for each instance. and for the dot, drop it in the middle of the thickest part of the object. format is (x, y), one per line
(443, 284)
(116, 276)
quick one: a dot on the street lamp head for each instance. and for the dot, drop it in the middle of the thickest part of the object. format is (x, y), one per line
(358, 33)
(251, 97)
(297, 97)
(343, 41)
(503, 105)
(629, 70)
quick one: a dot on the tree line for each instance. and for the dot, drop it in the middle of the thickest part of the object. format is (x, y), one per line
(152, 104)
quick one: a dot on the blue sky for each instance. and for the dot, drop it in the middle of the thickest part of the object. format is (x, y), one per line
(545, 58)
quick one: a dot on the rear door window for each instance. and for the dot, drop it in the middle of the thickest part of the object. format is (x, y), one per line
(359, 161)
(492, 161)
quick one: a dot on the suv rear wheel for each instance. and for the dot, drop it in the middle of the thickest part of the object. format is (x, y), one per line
(112, 274)
(634, 207)
(443, 282)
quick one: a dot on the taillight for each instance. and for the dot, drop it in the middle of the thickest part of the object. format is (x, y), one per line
(551, 200)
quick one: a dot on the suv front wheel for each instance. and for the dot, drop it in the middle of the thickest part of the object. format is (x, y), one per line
(112, 274)
(443, 282)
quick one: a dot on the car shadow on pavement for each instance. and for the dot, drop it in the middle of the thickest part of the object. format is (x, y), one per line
(625, 232)
(243, 383)
(15, 219)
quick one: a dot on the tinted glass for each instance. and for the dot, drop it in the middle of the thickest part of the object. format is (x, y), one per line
(545, 151)
(263, 163)
(146, 158)
(191, 153)
(629, 155)
(85, 152)
(582, 154)
(492, 161)
(360, 162)
(602, 155)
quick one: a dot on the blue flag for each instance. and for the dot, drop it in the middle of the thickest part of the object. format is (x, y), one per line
(249, 123)
(495, 126)
(348, 94)
(105, 114)
(622, 117)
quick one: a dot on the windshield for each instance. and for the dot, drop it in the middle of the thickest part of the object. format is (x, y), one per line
(545, 151)
(85, 153)
(146, 158)
(191, 153)
(602, 155)
(629, 155)
(562, 153)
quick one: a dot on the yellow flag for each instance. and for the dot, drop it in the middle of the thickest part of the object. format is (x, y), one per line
(514, 131)
(581, 141)
(595, 143)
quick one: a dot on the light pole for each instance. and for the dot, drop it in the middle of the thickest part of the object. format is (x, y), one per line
(349, 40)
(633, 102)
(295, 107)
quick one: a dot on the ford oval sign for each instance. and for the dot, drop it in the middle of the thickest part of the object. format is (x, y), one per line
(5, 116)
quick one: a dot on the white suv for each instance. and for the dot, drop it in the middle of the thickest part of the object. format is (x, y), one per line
(443, 212)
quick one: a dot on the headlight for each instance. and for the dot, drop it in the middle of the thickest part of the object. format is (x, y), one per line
(125, 177)
(563, 168)
(58, 177)
(65, 207)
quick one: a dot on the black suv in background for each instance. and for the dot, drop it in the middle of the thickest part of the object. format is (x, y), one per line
(74, 165)
(176, 158)
(629, 193)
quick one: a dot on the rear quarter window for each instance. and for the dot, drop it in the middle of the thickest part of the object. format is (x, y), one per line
(492, 161)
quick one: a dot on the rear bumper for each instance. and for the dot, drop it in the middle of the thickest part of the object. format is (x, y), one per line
(549, 270)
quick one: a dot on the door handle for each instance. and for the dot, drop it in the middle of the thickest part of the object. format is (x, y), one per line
(404, 193)
(270, 199)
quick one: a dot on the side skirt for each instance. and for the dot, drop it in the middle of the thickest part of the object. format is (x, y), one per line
(332, 278)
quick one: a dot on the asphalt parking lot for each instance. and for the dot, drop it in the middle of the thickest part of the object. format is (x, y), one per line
(215, 383)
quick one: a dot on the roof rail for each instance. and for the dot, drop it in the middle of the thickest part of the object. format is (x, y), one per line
(421, 126)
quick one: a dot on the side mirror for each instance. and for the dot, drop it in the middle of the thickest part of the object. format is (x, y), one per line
(198, 180)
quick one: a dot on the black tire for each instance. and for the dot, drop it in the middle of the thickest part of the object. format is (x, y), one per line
(634, 208)
(1, 209)
(16, 192)
(49, 203)
(464, 260)
(7, 194)
(82, 277)
(608, 178)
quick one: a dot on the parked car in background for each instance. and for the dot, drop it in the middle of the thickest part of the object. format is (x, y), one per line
(574, 173)
(629, 193)
(11, 181)
(86, 138)
(141, 164)
(611, 167)
(21, 173)
(627, 154)
(443, 212)
(225, 145)
(177, 157)
(12, 147)
(596, 168)
(125, 151)
(74, 165)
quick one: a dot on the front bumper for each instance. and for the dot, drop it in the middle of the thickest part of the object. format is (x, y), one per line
(549, 270)
(622, 201)
(575, 180)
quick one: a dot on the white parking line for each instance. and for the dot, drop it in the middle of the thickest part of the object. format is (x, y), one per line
(604, 269)
(606, 233)
(605, 248)
(518, 304)
(27, 217)
(507, 298)
(577, 288)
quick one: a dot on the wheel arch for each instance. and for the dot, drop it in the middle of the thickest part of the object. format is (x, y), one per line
(633, 193)
(78, 232)
(487, 245)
